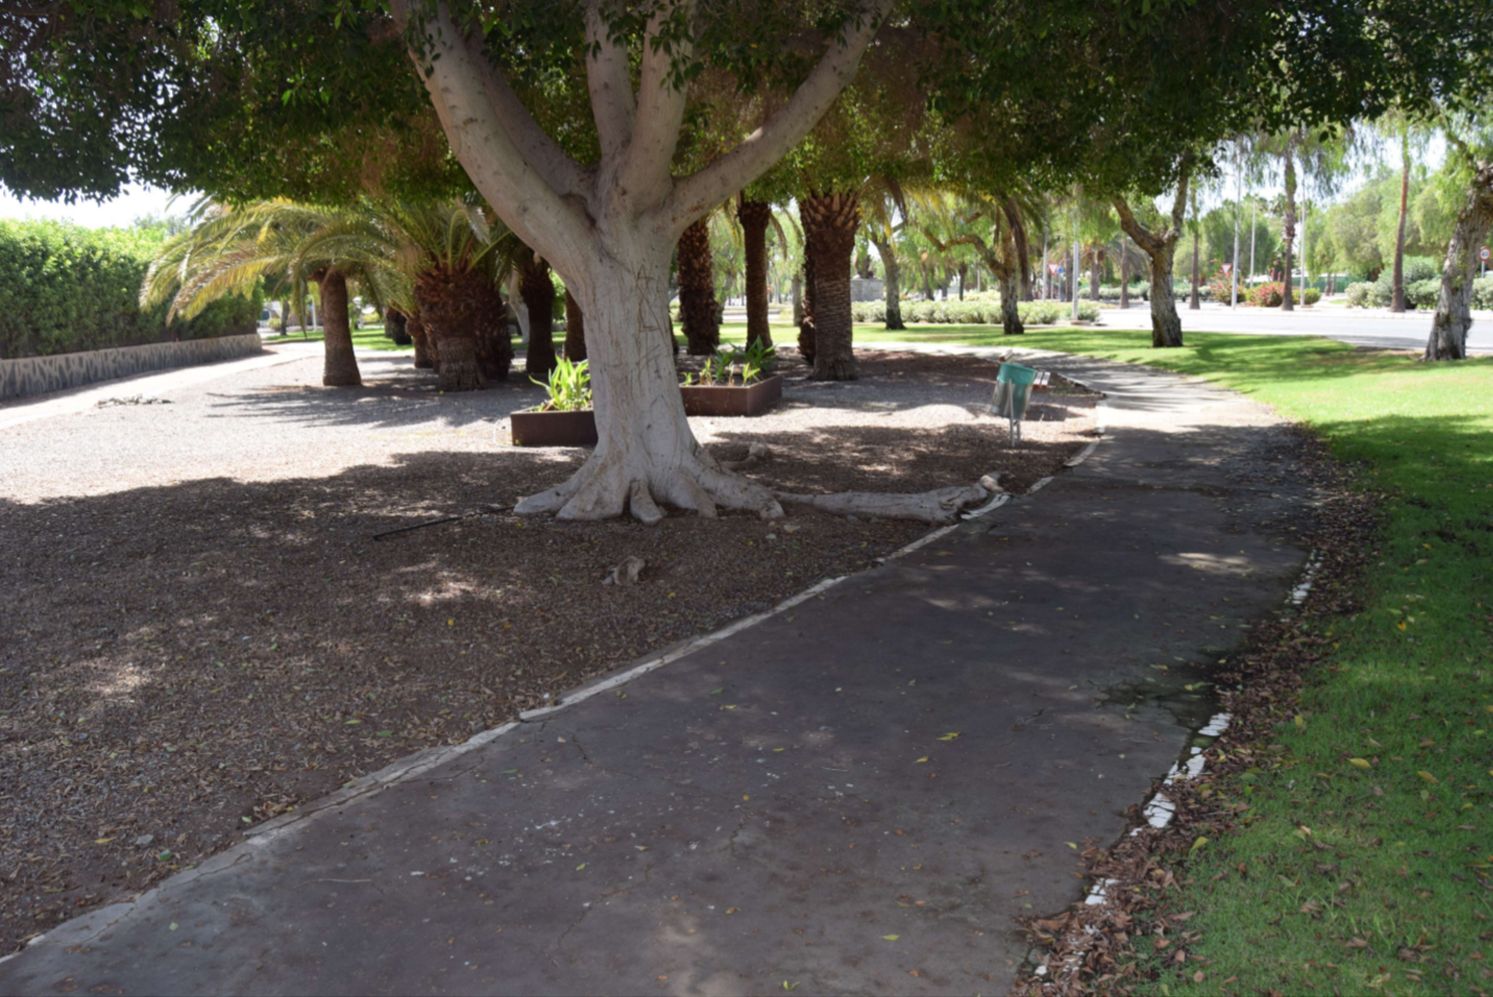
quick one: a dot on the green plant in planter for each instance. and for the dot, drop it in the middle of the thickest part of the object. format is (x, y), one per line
(569, 387)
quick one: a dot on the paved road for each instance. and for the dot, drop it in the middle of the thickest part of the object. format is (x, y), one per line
(859, 794)
(1361, 327)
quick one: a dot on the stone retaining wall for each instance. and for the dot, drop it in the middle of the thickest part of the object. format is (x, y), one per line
(37, 375)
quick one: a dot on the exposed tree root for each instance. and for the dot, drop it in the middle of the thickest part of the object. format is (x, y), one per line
(607, 486)
(941, 505)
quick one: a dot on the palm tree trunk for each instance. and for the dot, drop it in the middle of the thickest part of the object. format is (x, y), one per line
(538, 292)
(494, 338)
(396, 327)
(1448, 340)
(1397, 301)
(424, 355)
(451, 309)
(702, 332)
(755, 216)
(834, 219)
(806, 339)
(340, 367)
(575, 329)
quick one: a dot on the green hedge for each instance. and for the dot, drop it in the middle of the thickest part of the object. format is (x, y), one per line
(983, 309)
(66, 289)
(1420, 293)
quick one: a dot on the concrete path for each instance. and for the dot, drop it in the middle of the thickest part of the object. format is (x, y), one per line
(858, 794)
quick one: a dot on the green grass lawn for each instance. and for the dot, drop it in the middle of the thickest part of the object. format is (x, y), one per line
(1392, 889)
(369, 337)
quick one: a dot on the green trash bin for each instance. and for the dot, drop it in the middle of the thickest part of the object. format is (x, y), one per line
(1013, 389)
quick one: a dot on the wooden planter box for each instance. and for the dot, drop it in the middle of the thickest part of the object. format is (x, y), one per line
(554, 429)
(716, 399)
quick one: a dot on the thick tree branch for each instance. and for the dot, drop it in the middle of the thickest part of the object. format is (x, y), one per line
(608, 83)
(645, 168)
(1143, 237)
(698, 193)
(460, 86)
(1179, 202)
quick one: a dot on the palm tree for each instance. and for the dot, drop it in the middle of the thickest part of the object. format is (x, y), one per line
(984, 223)
(230, 250)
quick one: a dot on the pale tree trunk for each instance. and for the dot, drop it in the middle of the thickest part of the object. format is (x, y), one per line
(538, 293)
(1166, 324)
(1096, 267)
(893, 270)
(833, 218)
(796, 297)
(575, 328)
(755, 216)
(1160, 248)
(610, 229)
(1124, 275)
(1397, 300)
(1448, 340)
(340, 367)
(1288, 228)
(646, 454)
(697, 312)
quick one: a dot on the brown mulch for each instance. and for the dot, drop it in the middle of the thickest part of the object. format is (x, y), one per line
(1089, 949)
(180, 662)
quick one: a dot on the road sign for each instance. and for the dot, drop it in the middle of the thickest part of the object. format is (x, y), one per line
(1483, 254)
(1227, 269)
(1052, 268)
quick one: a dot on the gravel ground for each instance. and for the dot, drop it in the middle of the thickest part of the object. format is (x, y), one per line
(199, 632)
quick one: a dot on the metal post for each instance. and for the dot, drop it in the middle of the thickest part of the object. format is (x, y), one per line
(1075, 280)
(1238, 207)
(1305, 207)
(1253, 207)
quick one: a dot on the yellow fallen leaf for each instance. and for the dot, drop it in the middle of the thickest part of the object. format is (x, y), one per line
(450, 621)
(923, 760)
(1198, 843)
(1427, 776)
(890, 938)
(1300, 722)
(1401, 624)
(581, 867)
(102, 841)
(1360, 763)
(1071, 845)
(952, 735)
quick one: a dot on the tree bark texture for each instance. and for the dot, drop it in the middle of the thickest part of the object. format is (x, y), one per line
(453, 306)
(340, 366)
(575, 328)
(1453, 318)
(1096, 268)
(1160, 248)
(806, 341)
(1124, 276)
(646, 454)
(755, 216)
(424, 355)
(1288, 228)
(697, 310)
(834, 219)
(1023, 248)
(893, 271)
(1397, 299)
(396, 327)
(1010, 302)
(538, 292)
(611, 229)
(494, 336)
